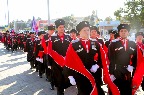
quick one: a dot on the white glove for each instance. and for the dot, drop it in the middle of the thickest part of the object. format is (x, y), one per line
(130, 68)
(72, 80)
(112, 77)
(94, 68)
(49, 67)
(41, 60)
(37, 59)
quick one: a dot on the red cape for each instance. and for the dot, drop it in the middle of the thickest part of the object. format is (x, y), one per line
(73, 62)
(106, 52)
(139, 72)
(59, 59)
(105, 62)
(40, 54)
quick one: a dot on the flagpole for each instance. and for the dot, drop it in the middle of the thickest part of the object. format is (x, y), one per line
(8, 12)
(48, 12)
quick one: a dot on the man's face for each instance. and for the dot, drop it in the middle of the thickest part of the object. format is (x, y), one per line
(85, 32)
(50, 32)
(73, 35)
(27, 33)
(32, 35)
(139, 38)
(123, 33)
(61, 29)
(111, 36)
(21, 34)
(93, 33)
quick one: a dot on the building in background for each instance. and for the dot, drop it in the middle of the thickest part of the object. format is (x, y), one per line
(104, 26)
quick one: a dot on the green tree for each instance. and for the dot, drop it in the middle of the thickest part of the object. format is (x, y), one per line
(70, 22)
(29, 21)
(87, 18)
(108, 19)
(133, 12)
(118, 14)
(92, 19)
(21, 25)
(38, 18)
(12, 24)
(45, 28)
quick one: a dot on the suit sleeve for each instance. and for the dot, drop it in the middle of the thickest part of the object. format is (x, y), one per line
(27, 45)
(97, 57)
(134, 58)
(101, 41)
(111, 56)
(37, 50)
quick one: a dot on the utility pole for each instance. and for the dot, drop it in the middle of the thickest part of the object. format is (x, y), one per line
(8, 12)
(48, 12)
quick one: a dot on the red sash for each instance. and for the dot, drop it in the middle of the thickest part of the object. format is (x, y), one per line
(59, 59)
(40, 54)
(139, 72)
(73, 61)
(44, 46)
(111, 85)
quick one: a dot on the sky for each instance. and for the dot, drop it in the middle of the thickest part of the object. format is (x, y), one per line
(26, 9)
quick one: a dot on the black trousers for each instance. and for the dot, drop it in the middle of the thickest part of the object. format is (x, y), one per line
(32, 64)
(86, 87)
(14, 47)
(124, 86)
(21, 45)
(36, 65)
(41, 68)
(47, 70)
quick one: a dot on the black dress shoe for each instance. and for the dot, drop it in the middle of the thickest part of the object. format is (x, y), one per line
(40, 76)
(51, 88)
(47, 80)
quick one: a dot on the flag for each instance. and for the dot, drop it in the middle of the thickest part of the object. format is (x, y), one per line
(34, 25)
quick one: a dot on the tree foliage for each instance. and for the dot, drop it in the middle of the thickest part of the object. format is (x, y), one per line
(70, 22)
(133, 12)
(92, 19)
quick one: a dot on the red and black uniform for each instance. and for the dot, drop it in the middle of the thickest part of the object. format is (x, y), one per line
(39, 54)
(115, 33)
(141, 45)
(45, 41)
(30, 46)
(8, 41)
(122, 53)
(81, 56)
(21, 41)
(5, 41)
(3, 38)
(57, 50)
(14, 42)
(139, 72)
(107, 43)
(100, 41)
(24, 41)
(0, 37)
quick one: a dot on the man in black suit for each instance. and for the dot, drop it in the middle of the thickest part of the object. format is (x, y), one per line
(58, 45)
(123, 58)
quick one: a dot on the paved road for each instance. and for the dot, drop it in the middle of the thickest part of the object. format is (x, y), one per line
(16, 78)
